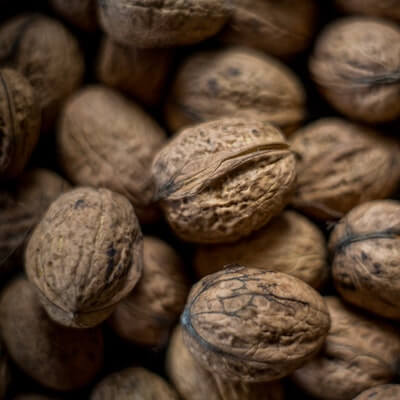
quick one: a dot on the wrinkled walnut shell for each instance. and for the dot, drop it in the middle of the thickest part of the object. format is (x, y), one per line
(383, 392)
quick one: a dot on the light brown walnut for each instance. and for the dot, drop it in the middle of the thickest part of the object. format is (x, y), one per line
(383, 392)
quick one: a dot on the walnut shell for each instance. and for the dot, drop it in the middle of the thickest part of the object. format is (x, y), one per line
(253, 325)
(216, 84)
(105, 140)
(57, 357)
(48, 55)
(193, 382)
(151, 23)
(19, 122)
(146, 316)
(356, 65)
(221, 180)
(365, 246)
(383, 392)
(85, 256)
(133, 384)
(341, 165)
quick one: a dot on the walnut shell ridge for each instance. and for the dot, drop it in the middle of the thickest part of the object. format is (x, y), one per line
(383, 392)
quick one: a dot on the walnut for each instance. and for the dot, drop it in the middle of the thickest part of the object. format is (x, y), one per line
(57, 357)
(216, 84)
(253, 325)
(19, 123)
(359, 353)
(383, 392)
(85, 256)
(341, 165)
(146, 316)
(365, 246)
(193, 382)
(356, 66)
(221, 180)
(105, 140)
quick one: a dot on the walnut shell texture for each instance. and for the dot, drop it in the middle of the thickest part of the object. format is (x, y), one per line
(221, 180)
(359, 353)
(216, 84)
(85, 256)
(253, 325)
(383, 392)
(57, 357)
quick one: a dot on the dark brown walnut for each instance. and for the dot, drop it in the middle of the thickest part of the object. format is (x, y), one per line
(359, 353)
(252, 325)
(220, 181)
(57, 357)
(19, 123)
(193, 382)
(356, 65)
(5, 373)
(365, 247)
(167, 23)
(146, 316)
(341, 165)
(289, 243)
(85, 256)
(220, 83)
(48, 55)
(140, 73)
(133, 384)
(383, 392)
(105, 140)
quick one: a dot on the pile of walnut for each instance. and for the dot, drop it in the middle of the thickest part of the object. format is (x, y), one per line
(198, 199)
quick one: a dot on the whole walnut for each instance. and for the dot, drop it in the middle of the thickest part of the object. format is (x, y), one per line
(356, 65)
(105, 140)
(359, 353)
(19, 123)
(151, 23)
(85, 256)
(214, 84)
(222, 180)
(341, 165)
(252, 325)
(365, 247)
(48, 55)
(133, 384)
(383, 392)
(193, 382)
(290, 243)
(57, 357)
(146, 316)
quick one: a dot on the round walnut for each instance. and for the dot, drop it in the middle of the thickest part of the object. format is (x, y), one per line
(146, 316)
(252, 325)
(341, 165)
(289, 243)
(193, 382)
(133, 384)
(57, 357)
(366, 256)
(85, 256)
(19, 123)
(220, 83)
(356, 66)
(221, 180)
(383, 392)
(359, 353)
(48, 55)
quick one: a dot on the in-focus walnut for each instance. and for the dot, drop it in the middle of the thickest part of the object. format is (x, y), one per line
(341, 165)
(290, 243)
(193, 382)
(222, 180)
(47, 55)
(359, 353)
(366, 256)
(252, 325)
(105, 140)
(19, 122)
(85, 256)
(57, 357)
(5, 373)
(146, 316)
(356, 64)
(383, 392)
(133, 384)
